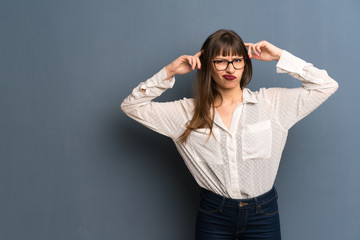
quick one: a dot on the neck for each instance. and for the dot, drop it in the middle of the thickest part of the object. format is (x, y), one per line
(230, 97)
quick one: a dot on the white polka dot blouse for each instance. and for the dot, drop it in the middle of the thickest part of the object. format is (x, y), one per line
(240, 162)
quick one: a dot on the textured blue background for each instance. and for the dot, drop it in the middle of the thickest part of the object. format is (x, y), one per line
(73, 166)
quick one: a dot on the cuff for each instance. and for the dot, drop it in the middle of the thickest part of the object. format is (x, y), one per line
(158, 80)
(290, 63)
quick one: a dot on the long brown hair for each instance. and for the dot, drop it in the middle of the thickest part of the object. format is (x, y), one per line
(223, 42)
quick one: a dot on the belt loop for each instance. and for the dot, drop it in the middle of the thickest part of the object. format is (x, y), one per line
(222, 204)
(256, 205)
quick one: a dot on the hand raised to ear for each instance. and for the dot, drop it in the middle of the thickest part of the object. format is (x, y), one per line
(183, 64)
(263, 51)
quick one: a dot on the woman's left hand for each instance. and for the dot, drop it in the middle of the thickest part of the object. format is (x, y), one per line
(263, 51)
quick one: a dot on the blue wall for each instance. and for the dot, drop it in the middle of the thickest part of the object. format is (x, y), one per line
(73, 166)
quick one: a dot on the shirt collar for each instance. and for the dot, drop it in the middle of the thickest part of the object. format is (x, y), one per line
(249, 96)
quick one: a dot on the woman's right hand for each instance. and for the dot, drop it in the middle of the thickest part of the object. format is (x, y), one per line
(183, 64)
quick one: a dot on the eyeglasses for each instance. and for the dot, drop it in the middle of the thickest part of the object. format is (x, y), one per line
(223, 64)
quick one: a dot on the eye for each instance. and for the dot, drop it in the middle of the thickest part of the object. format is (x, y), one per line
(220, 61)
(238, 60)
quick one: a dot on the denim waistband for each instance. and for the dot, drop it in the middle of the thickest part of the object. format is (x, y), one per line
(242, 203)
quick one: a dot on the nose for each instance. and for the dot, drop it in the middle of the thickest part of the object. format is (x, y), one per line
(230, 68)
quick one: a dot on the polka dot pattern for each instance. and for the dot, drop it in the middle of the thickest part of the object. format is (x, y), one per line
(240, 162)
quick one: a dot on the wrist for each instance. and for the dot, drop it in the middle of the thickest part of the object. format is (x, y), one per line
(169, 73)
(278, 54)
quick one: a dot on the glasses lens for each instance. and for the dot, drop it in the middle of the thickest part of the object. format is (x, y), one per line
(221, 65)
(239, 63)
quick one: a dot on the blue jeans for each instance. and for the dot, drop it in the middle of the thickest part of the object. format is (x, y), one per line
(220, 218)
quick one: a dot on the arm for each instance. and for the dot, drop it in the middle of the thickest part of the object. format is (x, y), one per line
(163, 118)
(291, 105)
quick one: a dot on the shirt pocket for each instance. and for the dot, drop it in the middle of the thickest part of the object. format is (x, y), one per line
(256, 140)
(206, 149)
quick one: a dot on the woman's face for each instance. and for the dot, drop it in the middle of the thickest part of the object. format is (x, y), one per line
(230, 77)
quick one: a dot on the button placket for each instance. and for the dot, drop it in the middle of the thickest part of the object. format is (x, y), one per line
(233, 166)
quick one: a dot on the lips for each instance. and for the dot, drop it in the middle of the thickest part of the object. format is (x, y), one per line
(229, 77)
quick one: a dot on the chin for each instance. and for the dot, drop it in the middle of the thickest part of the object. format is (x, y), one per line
(232, 84)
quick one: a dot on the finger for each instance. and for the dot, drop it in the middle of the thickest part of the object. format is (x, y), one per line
(198, 54)
(198, 63)
(248, 44)
(189, 61)
(193, 60)
(263, 44)
(254, 49)
(255, 56)
(249, 51)
(258, 48)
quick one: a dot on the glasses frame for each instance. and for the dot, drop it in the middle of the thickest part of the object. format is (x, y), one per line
(228, 62)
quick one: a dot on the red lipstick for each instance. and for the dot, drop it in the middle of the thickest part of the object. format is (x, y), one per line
(229, 77)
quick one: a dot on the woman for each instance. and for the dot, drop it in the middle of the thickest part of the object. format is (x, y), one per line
(230, 137)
